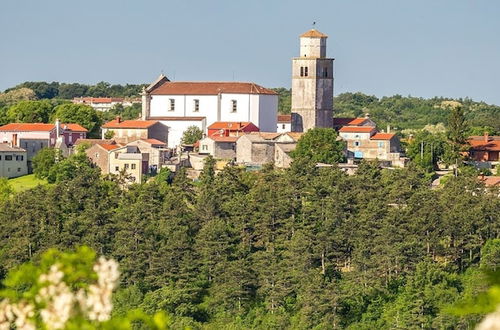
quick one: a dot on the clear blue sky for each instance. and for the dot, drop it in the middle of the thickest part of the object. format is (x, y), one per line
(383, 47)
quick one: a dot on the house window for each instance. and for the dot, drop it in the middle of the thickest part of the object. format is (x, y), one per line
(196, 105)
(117, 168)
(8, 157)
(172, 105)
(96, 155)
(132, 166)
(19, 169)
(381, 144)
(126, 166)
(204, 147)
(302, 71)
(357, 143)
(306, 73)
(325, 73)
(234, 105)
(283, 126)
(0, 157)
(19, 158)
(41, 145)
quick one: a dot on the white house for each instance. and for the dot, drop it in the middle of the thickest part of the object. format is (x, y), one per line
(179, 105)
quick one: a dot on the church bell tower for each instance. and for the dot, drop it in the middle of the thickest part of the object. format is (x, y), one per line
(312, 84)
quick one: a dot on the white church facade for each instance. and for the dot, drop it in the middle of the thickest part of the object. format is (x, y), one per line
(179, 105)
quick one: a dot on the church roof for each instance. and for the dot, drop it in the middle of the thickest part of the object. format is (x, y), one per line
(209, 88)
(312, 33)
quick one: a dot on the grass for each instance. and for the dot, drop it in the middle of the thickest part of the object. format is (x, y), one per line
(26, 182)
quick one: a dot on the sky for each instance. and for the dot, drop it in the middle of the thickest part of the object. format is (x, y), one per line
(422, 48)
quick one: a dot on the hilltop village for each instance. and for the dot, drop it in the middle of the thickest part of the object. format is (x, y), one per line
(234, 122)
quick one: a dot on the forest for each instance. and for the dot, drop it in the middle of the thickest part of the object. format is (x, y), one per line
(300, 248)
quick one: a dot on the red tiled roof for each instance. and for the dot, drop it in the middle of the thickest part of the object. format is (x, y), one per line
(382, 136)
(39, 127)
(357, 121)
(230, 125)
(210, 88)
(217, 138)
(357, 129)
(129, 124)
(284, 118)
(154, 141)
(74, 127)
(479, 143)
(98, 99)
(109, 147)
(313, 34)
(490, 180)
(348, 121)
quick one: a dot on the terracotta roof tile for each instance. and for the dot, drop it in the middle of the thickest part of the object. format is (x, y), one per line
(39, 127)
(284, 118)
(217, 138)
(230, 125)
(357, 129)
(154, 141)
(479, 143)
(357, 121)
(382, 136)
(130, 124)
(210, 88)
(74, 127)
(109, 147)
(490, 180)
(313, 34)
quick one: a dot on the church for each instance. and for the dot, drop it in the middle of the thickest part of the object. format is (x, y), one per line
(179, 105)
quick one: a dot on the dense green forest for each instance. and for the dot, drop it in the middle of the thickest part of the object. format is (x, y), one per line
(45, 90)
(300, 248)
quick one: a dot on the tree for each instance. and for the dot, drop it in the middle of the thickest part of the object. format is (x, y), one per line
(16, 95)
(30, 112)
(191, 135)
(80, 114)
(5, 189)
(44, 160)
(321, 145)
(71, 167)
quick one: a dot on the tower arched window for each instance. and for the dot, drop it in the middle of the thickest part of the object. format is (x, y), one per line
(302, 71)
(306, 73)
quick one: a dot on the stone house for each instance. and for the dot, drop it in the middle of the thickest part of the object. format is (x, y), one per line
(256, 148)
(157, 151)
(13, 161)
(131, 161)
(282, 158)
(220, 147)
(99, 154)
(125, 131)
(364, 142)
(284, 123)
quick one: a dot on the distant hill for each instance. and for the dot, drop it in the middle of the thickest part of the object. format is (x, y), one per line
(45, 90)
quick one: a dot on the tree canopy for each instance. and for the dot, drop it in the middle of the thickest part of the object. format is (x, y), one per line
(320, 145)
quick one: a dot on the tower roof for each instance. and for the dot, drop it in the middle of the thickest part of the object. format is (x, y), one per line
(313, 33)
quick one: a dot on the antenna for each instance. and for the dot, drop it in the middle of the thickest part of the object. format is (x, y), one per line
(314, 24)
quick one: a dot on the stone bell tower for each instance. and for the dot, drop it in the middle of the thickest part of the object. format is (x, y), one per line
(312, 84)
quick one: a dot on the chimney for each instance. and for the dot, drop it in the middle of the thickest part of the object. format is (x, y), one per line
(367, 115)
(388, 128)
(118, 119)
(58, 128)
(486, 137)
